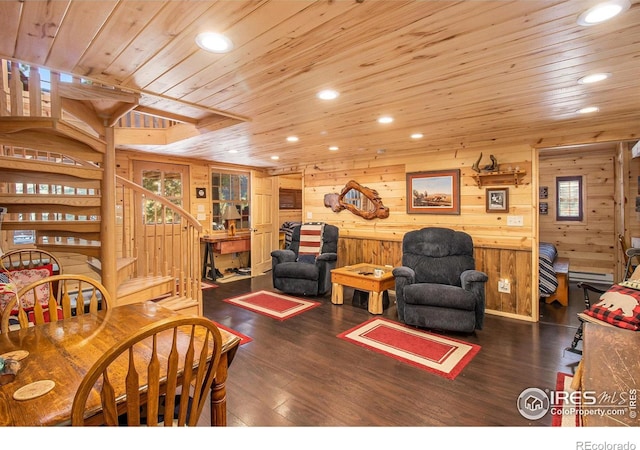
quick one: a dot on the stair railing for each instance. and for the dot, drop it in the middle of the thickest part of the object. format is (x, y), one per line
(162, 237)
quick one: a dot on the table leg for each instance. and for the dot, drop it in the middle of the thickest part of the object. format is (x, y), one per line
(219, 394)
(375, 302)
(337, 294)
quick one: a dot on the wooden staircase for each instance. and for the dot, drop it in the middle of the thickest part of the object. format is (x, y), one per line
(57, 178)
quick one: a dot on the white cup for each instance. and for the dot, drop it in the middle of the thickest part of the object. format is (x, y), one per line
(378, 273)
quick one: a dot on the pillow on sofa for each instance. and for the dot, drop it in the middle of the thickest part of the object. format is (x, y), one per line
(310, 242)
(24, 277)
(619, 306)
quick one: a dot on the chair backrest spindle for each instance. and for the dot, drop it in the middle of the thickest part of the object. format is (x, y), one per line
(171, 391)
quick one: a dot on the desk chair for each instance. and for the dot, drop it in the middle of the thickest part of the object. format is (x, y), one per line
(165, 368)
(60, 293)
(588, 290)
(629, 267)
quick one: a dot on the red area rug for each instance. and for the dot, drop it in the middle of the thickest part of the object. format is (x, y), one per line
(204, 285)
(277, 306)
(431, 352)
(566, 413)
(244, 339)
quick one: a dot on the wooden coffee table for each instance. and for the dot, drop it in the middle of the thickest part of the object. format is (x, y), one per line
(361, 277)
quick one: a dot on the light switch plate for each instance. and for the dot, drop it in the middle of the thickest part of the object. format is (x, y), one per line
(515, 221)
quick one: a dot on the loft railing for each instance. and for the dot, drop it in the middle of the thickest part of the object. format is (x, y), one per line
(27, 91)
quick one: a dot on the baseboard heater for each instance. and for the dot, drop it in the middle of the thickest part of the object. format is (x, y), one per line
(604, 278)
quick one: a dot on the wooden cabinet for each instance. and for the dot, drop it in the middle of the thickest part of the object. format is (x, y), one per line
(290, 198)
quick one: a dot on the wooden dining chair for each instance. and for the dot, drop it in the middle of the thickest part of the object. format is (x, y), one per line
(68, 295)
(29, 258)
(146, 376)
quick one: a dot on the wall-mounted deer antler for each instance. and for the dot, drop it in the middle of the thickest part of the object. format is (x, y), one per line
(488, 168)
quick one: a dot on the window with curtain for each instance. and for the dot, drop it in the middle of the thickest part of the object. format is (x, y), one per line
(569, 198)
(229, 190)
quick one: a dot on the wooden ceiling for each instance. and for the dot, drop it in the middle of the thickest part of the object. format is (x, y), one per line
(462, 73)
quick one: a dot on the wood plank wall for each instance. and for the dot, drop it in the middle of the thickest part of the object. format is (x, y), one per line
(501, 251)
(591, 244)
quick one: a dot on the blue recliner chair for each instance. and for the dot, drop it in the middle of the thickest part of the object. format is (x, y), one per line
(298, 274)
(437, 285)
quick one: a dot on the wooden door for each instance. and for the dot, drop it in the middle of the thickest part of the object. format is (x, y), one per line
(264, 232)
(170, 181)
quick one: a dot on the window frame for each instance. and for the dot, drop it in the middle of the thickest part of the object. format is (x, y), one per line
(580, 216)
(243, 205)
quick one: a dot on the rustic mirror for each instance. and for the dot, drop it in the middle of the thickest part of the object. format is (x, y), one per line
(360, 200)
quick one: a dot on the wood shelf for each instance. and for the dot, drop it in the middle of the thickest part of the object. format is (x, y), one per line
(501, 177)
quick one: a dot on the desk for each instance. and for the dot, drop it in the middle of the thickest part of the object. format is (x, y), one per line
(360, 276)
(222, 245)
(611, 368)
(64, 351)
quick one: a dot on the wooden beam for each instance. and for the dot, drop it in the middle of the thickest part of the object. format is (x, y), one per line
(215, 122)
(78, 91)
(164, 114)
(85, 112)
(118, 112)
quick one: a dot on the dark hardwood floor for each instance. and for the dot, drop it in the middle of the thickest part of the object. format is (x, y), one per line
(298, 373)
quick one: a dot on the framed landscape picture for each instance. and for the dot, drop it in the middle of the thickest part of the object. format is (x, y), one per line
(498, 200)
(433, 192)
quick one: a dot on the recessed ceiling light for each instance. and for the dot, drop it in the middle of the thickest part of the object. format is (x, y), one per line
(417, 136)
(292, 139)
(594, 78)
(328, 94)
(385, 119)
(333, 148)
(233, 151)
(589, 109)
(275, 157)
(214, 42)
(602, 12)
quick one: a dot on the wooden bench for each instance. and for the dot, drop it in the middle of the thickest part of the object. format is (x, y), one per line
(561, 267)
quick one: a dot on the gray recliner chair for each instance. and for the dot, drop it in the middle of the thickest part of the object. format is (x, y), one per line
(294, 274)
(437, 285)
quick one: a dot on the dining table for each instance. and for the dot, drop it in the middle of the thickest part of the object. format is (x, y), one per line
(62, 352)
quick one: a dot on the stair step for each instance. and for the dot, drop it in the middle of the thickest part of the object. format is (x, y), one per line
(78, 226)
(121, 263)
(48, 172)
(51, 199)
(124, 267)
(71, 245)
(183, 304)
(18, 208)
(145, 288)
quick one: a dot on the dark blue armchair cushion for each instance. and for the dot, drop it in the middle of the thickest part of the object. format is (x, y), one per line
(440, 295)
(309, 259)
(438, 256)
